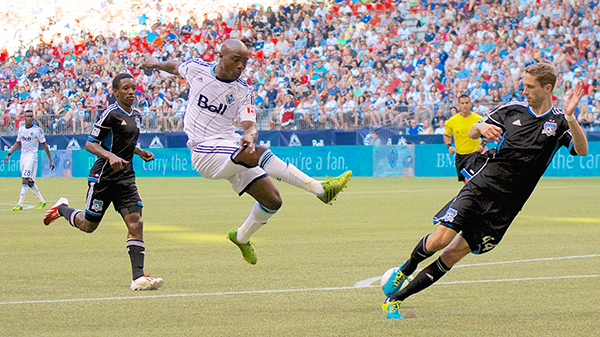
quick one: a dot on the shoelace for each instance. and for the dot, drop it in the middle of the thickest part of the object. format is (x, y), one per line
(398, 279)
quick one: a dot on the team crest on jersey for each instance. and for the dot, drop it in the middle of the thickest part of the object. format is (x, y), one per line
(549, 128)
(449, 216)
(229, 98)
(97, 205)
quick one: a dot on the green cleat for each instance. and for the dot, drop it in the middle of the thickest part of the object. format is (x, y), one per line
(247, 249)
(41, 205)
(334, 186)
(17, 208)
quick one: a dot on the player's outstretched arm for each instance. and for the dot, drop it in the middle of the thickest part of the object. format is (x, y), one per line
(171, 66)
(145, 155)
(579, 140)
(115, 161)
(47, 150)
(14, 148)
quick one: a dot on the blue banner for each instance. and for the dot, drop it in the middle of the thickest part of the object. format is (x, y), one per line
(394, 161)
(427, 160)
(63, 163)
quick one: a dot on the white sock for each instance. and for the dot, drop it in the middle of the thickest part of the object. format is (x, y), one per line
(23, 194)
(257, 218)
(36, 193)
(288, 173)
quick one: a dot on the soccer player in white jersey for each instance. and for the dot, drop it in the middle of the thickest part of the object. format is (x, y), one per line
(217, 97)
(29, 137)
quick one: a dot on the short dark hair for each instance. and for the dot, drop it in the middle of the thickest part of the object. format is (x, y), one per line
(464, 96)
(544, 73)
(117, 80)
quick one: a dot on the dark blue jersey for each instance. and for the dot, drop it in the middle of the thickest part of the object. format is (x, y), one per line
(116, 131)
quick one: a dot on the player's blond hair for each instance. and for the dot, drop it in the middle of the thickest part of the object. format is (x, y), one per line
(544, 73)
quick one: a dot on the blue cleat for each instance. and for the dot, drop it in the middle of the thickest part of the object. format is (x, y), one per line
(394, 283)
(391, 309)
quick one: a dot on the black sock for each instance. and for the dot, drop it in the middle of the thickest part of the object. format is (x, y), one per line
(424, 279)
(136, 251)
(68, 213)
(417, 256)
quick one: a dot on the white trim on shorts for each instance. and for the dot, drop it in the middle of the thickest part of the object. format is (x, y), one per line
(212, 159)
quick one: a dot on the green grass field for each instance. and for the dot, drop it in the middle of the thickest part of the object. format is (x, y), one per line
(58, 281)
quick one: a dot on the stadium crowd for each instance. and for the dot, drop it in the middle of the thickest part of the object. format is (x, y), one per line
(313, 65)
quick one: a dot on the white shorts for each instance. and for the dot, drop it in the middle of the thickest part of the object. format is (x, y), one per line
(29, 166)
(213, 160)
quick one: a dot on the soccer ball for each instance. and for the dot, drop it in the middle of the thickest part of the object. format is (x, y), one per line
(386, 276)
(388, 273)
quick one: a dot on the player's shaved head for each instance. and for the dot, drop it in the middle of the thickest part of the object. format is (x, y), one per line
(233, 46)
(234, 57)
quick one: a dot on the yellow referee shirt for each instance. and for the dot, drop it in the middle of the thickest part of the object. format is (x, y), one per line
(459, 126)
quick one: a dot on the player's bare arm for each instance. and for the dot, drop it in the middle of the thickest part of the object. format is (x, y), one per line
(14, 148)
(171, 66)
(488, 131)
(579, 140)
(47, 150)
(115, 161)
(250, 136)
(145, 155)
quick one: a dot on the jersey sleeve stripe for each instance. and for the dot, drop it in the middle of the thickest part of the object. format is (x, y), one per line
(105, 114)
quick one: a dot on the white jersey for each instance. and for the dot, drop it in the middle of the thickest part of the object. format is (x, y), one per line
(30, 139)
(213, 105)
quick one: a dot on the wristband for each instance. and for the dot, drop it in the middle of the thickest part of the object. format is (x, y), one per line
(569, 118)
(483, 142)
(448, 145)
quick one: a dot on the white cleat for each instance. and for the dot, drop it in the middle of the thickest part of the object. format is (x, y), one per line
(147, 283)
(52, 213)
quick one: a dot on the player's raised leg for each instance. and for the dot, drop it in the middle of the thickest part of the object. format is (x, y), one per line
(326, 191)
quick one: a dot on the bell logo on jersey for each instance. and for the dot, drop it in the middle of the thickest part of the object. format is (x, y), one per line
(203, 104)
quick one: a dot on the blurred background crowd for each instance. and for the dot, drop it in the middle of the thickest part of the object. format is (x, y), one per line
(335, 64)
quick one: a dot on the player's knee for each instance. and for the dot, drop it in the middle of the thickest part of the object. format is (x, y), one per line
(274, 202)
(88, 227)
(437, 242)
(451, 255)
(136, 226)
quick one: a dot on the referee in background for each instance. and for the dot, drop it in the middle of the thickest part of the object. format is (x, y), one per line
(458, 126)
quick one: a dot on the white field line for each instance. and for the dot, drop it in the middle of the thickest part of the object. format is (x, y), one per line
(358, 285)
(367, 282)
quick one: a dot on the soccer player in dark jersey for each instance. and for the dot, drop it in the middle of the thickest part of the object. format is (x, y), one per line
(529, 134)
(112, 179)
